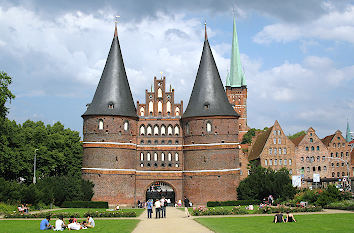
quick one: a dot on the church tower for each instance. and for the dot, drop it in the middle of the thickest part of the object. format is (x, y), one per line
(210, 128)
(236, 88)
(109, 129)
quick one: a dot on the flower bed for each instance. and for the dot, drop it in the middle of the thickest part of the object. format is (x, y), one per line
(239, 210)
(105, 214)
(342, 205)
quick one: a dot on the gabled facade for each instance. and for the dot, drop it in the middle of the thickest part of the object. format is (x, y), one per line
(339, 152)
(311, 157)
(274, 149)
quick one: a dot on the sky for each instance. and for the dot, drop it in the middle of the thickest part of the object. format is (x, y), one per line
(298, 56)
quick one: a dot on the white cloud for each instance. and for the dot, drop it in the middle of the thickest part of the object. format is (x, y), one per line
(335, 25)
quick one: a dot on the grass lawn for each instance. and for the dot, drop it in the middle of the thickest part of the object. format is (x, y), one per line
(305, 223)
(227, 208)
(16, 226)
(85, 210)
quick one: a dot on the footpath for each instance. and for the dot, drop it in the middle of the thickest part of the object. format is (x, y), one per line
(175, 221)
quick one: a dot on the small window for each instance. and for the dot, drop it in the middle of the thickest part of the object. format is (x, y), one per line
(290, 171)
(149, 130)
(280, 151)
(270, 151)
(126, 126)
(208, 127)
(177, 130)
(275, 162)
(100, 124)
(142, 111)
(149, 165)
(312, 148)
(275, 151)
(333, 174)
(177, 111)
(169, 142)
(284, 151)
(302, 159)
(270, 162)
(280, 161)
(274, 140)
(142, 156)
(155, 156)
(324, 168)
(323, 158)
(141, 165)
(279, 140)
(275, 132)
(290, 161)
(266, 162)
(318, 148)
(308, 169)
(169, 130)
(332, 164)
(110, 105)
(163, 130)
(319, 168)
(187, 128)
(314, 169)
(338, 174)
(311, 139)
(169, 157)
(176, 157)
(285, 162)
(334, 145)
(177, 165)
(343, 173)
(162, 157)
(342, 164)
(206, 106)
(332, 154)
(336, 154)
(142, 130)
(307, 148)
(151, 107)
(318, 158)
(337, 164)
(148, 157)
(341, 154)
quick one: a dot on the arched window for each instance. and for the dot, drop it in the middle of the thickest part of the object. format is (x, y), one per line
(187, 129)
(266, 162)
(169, 130)
(159, 107)
(177, 130)
(148, 130)
(290, 161)
(126, 125)
(159, 93)
(208, 127)
(142, 130)
(312, 148)
(284, 151)
(176, 157)
(270, 162)
(177, 111)
(141, 156)
(319, 168)
(325, 168)
(155, 156)
(168, 106)
(169, 156)
(151, 107)
(162, 156)
(100, 124)
(156, 130)
(285, 162)
(163, 130)
(148, 156)
(142, 111)
(280, 151)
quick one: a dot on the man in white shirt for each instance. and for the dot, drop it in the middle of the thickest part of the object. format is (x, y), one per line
(73, 225)
(90, 222)
(163, 207)
(157, 207)
(59, 224)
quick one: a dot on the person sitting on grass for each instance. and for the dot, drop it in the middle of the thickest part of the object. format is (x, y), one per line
(278, 218)
(74, 225)
(289, 217)
(45, 225)
(59, 224)
(90, 222)
(73, 218)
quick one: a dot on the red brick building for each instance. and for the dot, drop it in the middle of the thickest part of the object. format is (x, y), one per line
(135, 154)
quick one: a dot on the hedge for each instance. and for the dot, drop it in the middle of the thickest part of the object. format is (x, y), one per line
(106, 214)
(85, 204)
(232, 203)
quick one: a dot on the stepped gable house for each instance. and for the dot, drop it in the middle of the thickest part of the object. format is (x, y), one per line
(133, 154)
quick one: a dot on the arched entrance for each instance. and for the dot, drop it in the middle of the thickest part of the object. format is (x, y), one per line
(159, 189)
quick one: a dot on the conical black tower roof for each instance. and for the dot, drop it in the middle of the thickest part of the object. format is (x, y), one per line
(113, 96)
(208, 96)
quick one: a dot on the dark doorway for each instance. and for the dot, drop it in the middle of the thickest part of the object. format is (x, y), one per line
(160, 189)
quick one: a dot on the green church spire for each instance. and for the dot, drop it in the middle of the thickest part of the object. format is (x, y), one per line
(348, 137)
(236, 78)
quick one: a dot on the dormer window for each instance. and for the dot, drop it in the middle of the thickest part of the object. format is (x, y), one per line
(110, 106)
(206, 106)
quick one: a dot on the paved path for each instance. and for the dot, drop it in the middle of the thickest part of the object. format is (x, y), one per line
(175, 221)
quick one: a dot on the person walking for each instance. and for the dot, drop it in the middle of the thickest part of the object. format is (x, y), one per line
(163, 207)
(186, 205)
(149, 205)
(157, 208)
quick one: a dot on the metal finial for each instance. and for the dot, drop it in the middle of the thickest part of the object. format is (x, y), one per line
(206, 36)
(161, 73)
(115, 26)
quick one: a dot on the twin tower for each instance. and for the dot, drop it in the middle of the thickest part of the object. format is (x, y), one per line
(154, 149)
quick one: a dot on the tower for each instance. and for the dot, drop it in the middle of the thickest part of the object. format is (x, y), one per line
(236, 88)
(210, 127)
(348, 136)
(109, 130)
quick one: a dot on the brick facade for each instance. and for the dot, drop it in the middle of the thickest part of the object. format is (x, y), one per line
(123, 156)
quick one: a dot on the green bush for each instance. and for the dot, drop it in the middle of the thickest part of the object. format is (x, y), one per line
(342, 205)
(85, 204)
(232, 203)
(106, 214)
(6, 208)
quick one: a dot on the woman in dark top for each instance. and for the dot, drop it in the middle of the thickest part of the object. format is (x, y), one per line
(278, 218)
(290, 217)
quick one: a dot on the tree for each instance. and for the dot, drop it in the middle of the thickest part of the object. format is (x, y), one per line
(263, 182)
(5, 94)
(247, 137)
(298, 134)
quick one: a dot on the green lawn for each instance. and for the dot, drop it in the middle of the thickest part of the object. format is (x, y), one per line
(85, 210)
(227, 208)
(17, 226)
(305, 223)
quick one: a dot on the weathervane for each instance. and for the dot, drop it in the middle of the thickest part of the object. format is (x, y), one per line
(161, 73)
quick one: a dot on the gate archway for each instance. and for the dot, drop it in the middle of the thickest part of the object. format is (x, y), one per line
(159, 189)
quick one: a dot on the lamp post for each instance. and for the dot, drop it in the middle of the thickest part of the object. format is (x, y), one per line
(348, 170)
(34, 166)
